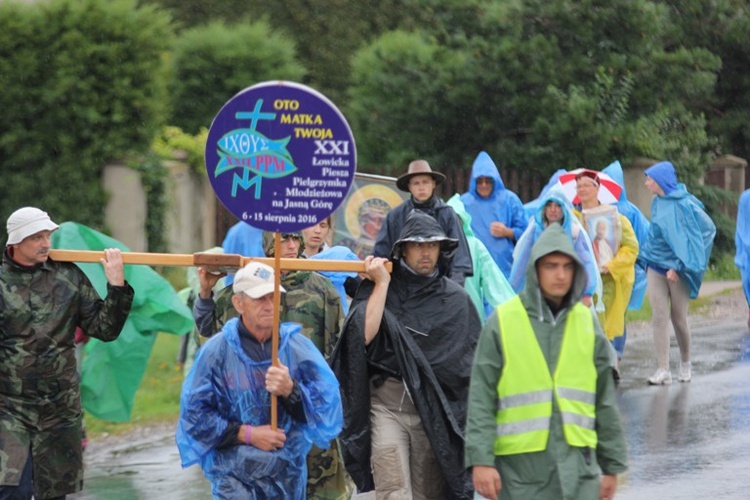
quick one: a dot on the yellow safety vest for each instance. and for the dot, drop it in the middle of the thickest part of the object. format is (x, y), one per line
(525, 389)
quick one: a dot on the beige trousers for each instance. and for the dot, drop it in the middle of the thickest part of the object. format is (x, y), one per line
(668, 301)
(403, 463)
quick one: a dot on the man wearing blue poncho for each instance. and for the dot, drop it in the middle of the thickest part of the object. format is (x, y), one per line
(497, 215)
(225, 405)
(677, 250)
(742, 245)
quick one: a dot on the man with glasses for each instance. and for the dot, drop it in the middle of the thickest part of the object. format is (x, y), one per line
(43, 302)
(497, 215)
(421, 181)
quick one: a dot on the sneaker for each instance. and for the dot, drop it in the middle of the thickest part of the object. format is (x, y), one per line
(661, 377)
(685, 374)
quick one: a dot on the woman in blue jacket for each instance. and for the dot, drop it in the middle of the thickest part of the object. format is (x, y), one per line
(676, 252)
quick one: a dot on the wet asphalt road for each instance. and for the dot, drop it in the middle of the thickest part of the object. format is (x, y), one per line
(685, 441)
(690, 440)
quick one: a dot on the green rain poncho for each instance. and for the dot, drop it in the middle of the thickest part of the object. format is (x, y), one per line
(488, 288)
(113, 371)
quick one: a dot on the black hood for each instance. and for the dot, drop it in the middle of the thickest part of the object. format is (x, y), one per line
(422, 228)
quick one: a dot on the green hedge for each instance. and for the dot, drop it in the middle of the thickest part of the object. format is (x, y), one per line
(83, 84)
(211, 63)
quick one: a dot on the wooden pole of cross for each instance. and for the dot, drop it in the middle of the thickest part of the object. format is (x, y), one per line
(276, 319)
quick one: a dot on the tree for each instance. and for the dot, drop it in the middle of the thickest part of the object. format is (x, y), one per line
(723, 28)
(325, 32)
(83, 84)
(541, 84)
(211, 63)
(412, 72)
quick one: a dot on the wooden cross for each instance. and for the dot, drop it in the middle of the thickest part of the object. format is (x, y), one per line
(227, 263)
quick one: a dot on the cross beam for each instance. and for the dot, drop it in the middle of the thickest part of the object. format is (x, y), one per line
(227, 262)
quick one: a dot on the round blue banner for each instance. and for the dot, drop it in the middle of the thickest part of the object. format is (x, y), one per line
(280, 156)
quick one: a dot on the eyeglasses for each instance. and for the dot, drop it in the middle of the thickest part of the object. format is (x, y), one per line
(484, 180)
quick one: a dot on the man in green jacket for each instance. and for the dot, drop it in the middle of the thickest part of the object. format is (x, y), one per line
(542, 419)
(41, 304)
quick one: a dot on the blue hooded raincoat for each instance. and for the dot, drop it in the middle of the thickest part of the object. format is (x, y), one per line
(681, 235)
(742, 241)
(531, 207)
(502, 205)
(225, 385)
(573, 228)
(244, 239)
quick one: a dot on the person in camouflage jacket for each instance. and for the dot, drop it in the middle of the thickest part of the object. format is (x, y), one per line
(312, 301)
(41, 304)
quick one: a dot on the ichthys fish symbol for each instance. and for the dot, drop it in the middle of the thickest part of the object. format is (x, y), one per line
(257, 156)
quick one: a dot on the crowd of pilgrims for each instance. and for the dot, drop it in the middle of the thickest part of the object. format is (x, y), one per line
(415, 420)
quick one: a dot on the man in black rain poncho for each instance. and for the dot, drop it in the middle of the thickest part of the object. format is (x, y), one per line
(404, 362)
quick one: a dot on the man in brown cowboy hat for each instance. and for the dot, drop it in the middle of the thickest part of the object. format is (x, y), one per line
(420, 180)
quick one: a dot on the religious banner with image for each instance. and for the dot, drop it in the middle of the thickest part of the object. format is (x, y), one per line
(603, 227)
(359, 218)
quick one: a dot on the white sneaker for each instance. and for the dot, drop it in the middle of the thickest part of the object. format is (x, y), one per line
(685, 374)
(661, 377)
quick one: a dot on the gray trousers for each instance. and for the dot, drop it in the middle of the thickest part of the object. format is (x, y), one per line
(668, 301)
(403, 463)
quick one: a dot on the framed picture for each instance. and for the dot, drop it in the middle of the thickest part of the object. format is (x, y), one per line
(358, 219)
(603, 227)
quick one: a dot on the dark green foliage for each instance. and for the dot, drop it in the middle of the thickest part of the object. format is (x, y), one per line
(539, 84)
(214, 62)
(325, 32)
(153, 180)
(412, 72)
(542, 85)
(82, 85)
(723, 28)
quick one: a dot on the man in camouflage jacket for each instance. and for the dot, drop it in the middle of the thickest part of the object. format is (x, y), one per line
(312, 301)
(41, 304)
